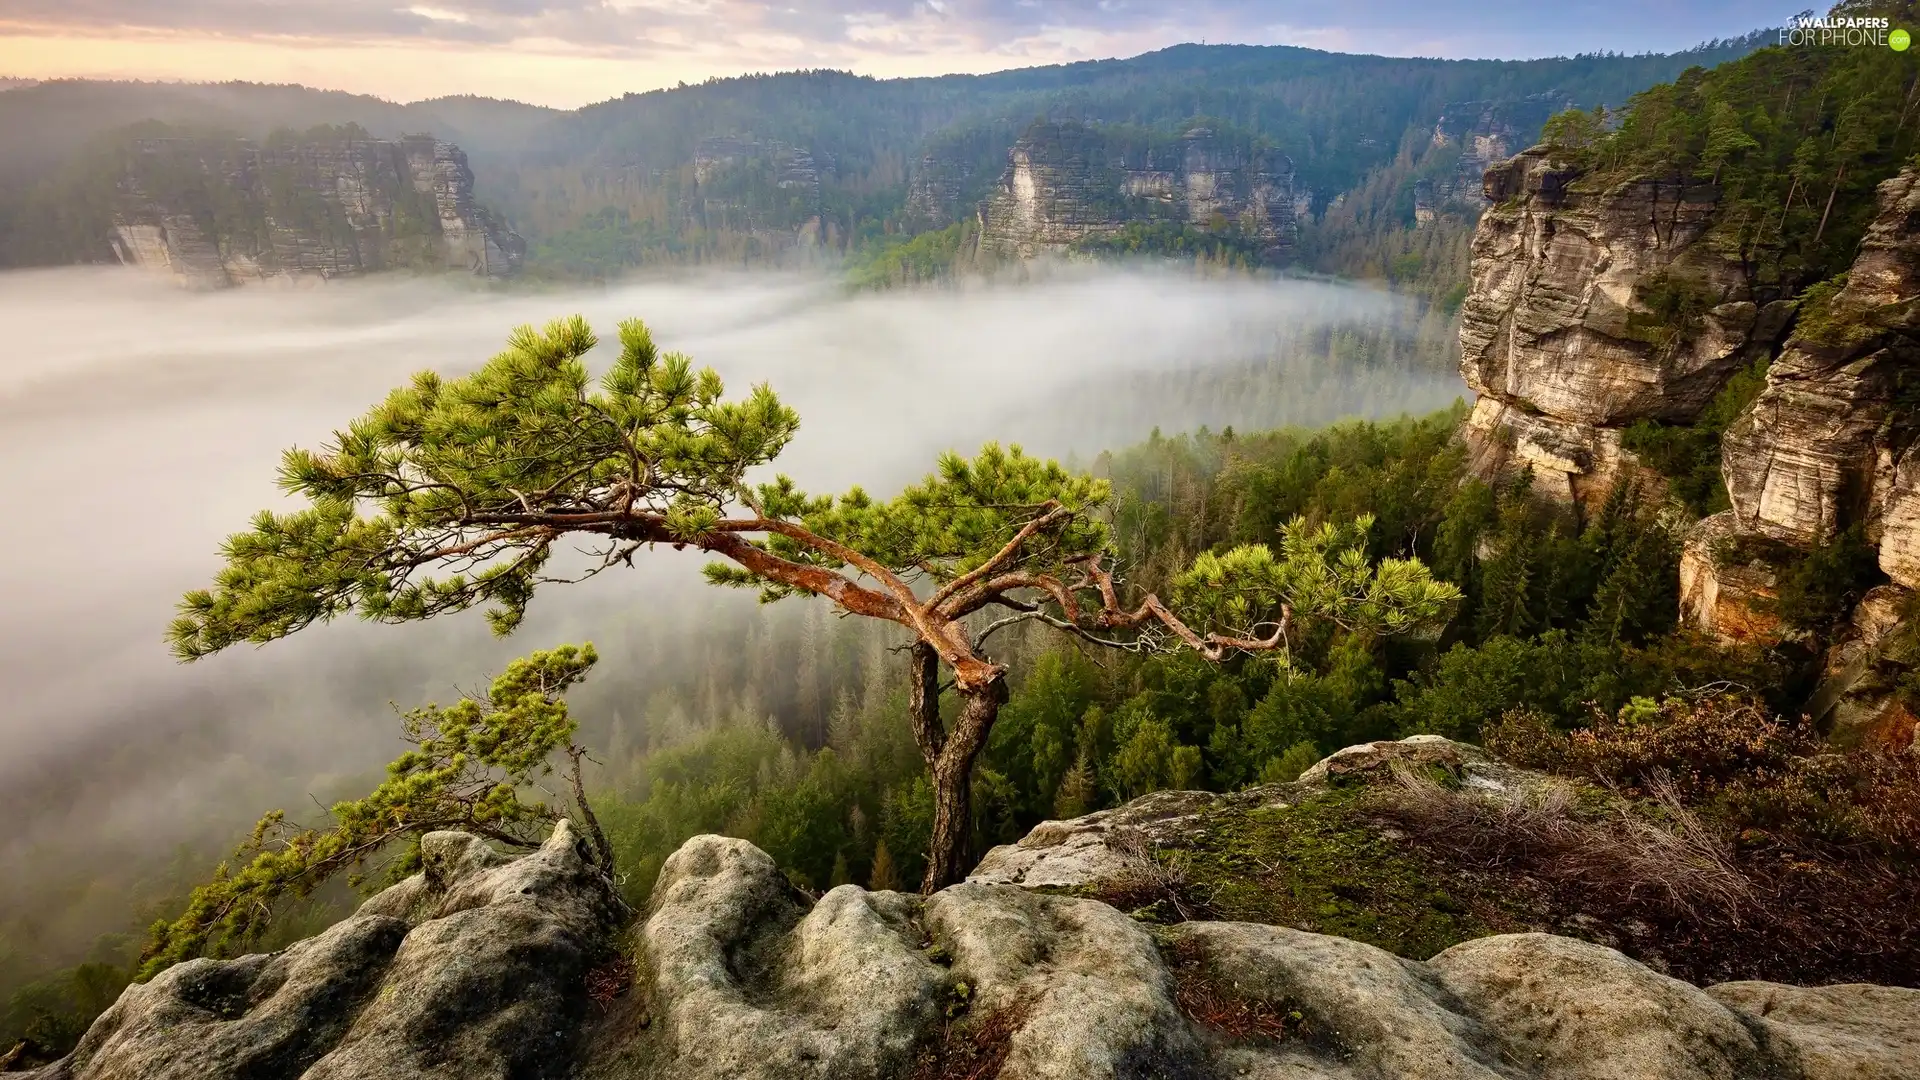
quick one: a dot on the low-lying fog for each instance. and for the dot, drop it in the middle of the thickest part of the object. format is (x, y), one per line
(140, 424)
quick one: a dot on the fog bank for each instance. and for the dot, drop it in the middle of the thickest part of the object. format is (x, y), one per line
(139, 425)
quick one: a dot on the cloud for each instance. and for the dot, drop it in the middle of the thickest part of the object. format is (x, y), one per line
(843, 26)
(569, 52)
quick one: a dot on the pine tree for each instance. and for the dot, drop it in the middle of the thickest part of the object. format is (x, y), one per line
(481, 479)
(1077, 794)
(884, 877)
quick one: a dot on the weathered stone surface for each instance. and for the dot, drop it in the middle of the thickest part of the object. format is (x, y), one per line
(1487, 132)
(476, 968)
(1561, 1007)
(1105, 845)
(1064, 184)
(1081, 990)
(473, 968)
(1557, 333)
(1858, 1031)
(1721, 595)
(752, 980)
(218, 212)
(1803, 461)
(1900, 523)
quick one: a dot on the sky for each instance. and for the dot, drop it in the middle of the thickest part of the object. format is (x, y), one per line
(567, 53)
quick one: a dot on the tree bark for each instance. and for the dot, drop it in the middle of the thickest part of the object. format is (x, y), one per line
(601, 847)
(1837, 177)
(923, 703)
(950, 852)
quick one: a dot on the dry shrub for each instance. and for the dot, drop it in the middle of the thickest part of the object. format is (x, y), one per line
(1729, 754)
(1150, 875)
(1678, 864)
(610, 980)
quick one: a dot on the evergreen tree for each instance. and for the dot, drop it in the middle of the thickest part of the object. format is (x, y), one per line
(469, 762)
(480, 478)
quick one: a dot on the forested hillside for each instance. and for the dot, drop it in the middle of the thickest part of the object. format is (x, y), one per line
(770, 168)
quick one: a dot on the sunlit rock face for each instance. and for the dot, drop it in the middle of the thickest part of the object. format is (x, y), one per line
(1722, 594)
(1065, 182)
(1827, 443)
(1568, 331)
(218, 212)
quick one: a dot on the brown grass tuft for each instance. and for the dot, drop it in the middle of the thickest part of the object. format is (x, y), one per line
(1676, 861)
(970, 1048)
(1206, 1002)
(610, 980)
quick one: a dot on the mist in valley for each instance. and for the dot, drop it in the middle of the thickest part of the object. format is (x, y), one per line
(139, 425)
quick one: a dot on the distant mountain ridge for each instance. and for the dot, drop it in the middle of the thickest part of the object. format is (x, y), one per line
(617, 184)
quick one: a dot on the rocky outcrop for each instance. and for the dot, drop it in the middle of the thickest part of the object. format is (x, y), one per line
(218, 212)
(1590, 308)
(1106, 845)
(1821, 448)
(1722, 593)
(766, 189)
(480, 967)
(474, 967)
(1487, 133)
(1859, 697)
(751, 980)
(1065, 183)
(936, 192)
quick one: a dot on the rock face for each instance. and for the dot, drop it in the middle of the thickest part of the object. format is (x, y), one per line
(1591, 309)
(475, 967)
(478, 968)
(1721, 594)
(1487, 132)
(749, 980)
(937, 189)
(1065, 183)
(1827, 442)
(1859, 696)
(218, 212)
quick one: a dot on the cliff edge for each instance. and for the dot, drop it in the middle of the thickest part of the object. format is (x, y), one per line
(482, 966)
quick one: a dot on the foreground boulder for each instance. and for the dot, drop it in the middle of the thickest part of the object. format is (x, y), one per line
(748, 979)
(474, 967)
(485, 967)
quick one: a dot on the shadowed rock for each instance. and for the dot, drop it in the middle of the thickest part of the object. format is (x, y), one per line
(473, 968)
(476, 968)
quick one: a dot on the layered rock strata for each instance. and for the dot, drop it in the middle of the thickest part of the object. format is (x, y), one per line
(1827, 444)
(1063, 184)
(1487, 133)
(218, 212)
(1591, 309)
(1722, 593)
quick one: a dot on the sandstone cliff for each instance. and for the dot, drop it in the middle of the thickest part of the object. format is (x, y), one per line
(486, 967)
(1592, 307)
(1066, 182)
(767, 189)
(1827, 443)
(1487, 133)
(218, 212)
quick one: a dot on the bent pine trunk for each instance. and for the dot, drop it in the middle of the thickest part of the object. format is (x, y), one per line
(950, 757)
